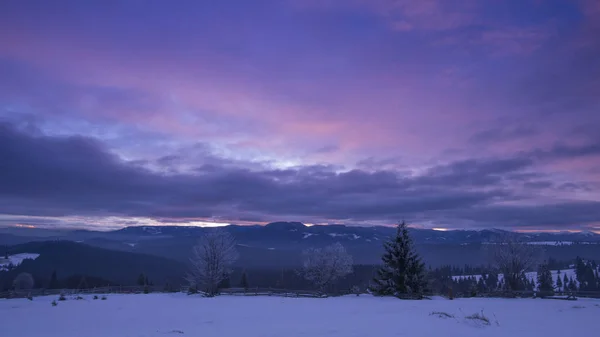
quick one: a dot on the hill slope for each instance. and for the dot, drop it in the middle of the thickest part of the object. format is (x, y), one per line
(70, 258)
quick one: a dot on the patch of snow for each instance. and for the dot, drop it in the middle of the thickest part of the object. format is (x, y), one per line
(271, 248)
(16, 259)
(253, 316)
(152, 230)
(131, 244)
(352, 236)
(551, 243)
(307, 235)
(530, 275)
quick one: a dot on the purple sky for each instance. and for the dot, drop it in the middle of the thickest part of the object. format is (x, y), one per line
(446, 113)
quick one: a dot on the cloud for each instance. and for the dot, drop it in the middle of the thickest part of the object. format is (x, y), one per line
(334, 109)
(77, 176)
(503, 133)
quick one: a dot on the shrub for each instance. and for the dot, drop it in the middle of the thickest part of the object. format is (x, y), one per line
(103, 298)
(23, 281)
(146, 289)
(29, 297)
(479, 317)
(355, 290)
(441, 314)
(95, 297)
(62, 297)
(54, 303)
(78, 297)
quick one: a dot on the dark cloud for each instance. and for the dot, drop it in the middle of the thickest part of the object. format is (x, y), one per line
(550, 215)
(56, 176)
(475, 172)
(499, 134)
(572, 151)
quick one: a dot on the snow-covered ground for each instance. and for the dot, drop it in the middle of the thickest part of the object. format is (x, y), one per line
(16, 259)
(224, 316)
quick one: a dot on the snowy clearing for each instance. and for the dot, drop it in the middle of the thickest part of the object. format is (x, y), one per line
(530, 275)
(179, 314)
(16, 259)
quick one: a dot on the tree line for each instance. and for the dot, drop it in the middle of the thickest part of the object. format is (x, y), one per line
(330, 269)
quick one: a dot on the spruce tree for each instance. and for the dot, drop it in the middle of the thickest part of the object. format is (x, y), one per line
(559, 283)
(565, 281)
(544, 278)
(141, 281)
(572, 285)
(53, 281)
(244, 281)
(403, 272)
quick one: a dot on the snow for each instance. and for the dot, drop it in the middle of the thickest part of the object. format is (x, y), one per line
(551, 243)
(147, 315)
(353, 236)
(531, 275)
(307, 235)
(16, 259)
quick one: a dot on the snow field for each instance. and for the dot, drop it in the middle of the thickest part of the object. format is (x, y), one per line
(348, 316)
(531, 275)
(16, 259)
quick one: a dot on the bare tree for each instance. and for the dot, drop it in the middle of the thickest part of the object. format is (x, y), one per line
(211, 261)
(23, 281)
(322, 266)
(513, 258)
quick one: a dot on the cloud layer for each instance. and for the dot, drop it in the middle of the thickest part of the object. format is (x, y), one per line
(446, 113)
(75, 175)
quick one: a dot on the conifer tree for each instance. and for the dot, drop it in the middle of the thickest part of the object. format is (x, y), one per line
(403, 272)
(572, 285)
(544, 278)
(559, 283)
(244, 281)
(565, 281)
(141, 281)
(53, 281)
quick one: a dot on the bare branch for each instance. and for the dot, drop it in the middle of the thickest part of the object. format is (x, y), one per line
(323, 266)
(513, 258)
(211, 260)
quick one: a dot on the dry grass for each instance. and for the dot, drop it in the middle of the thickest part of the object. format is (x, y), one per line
(441, 314)
(480, 317)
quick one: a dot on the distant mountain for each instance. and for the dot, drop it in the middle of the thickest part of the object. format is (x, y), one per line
(280, 244)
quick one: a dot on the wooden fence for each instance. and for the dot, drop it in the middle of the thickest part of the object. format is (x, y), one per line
(157, 289)
(265, 292)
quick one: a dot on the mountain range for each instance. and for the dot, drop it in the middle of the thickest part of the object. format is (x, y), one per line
(279, 244)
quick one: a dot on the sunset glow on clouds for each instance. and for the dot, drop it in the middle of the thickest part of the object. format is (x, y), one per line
(450, 114)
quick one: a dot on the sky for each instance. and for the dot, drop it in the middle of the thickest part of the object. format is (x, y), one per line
(445, 113)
